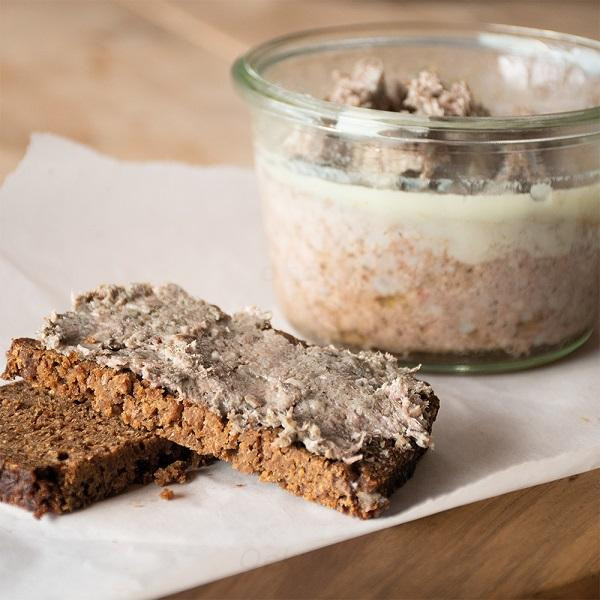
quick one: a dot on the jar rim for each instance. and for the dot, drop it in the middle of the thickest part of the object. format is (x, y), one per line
(247, 74)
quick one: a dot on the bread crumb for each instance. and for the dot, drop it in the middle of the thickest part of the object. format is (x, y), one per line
(181, 471)
(176, 472)
(167, 494)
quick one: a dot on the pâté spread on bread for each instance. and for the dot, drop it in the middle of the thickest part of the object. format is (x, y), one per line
(334, 426)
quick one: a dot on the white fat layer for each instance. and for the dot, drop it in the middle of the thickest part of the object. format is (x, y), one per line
(470, 228)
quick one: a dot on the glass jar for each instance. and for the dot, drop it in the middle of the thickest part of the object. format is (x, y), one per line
(462, 243)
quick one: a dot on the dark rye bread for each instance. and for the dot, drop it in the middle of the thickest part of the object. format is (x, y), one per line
(360, 488)
(58, 456)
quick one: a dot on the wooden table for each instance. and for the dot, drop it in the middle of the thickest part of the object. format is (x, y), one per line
(148, 79)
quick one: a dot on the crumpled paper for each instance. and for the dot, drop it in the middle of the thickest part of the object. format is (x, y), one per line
(71, 219)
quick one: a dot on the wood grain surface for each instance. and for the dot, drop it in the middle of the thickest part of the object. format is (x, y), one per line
(148, 79)
(532, 543)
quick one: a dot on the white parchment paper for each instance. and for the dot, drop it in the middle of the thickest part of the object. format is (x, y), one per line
(71, 219)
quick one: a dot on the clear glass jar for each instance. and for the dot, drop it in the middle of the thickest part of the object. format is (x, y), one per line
(462, 243)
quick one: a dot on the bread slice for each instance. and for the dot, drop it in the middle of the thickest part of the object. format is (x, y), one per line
(339, 428)
(58, 456)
